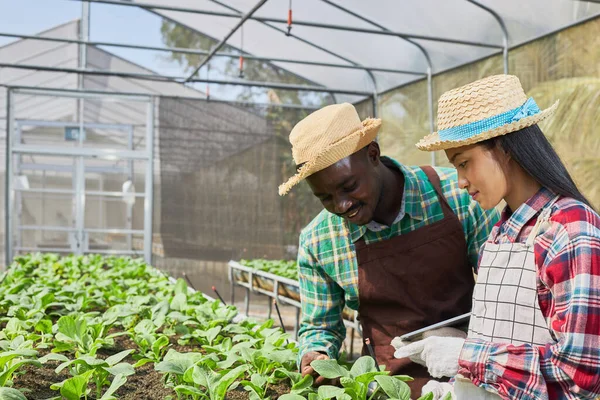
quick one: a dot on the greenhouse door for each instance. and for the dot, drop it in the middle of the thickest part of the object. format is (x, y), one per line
(79, 173)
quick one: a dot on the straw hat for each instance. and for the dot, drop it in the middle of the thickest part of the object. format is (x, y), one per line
(325, 137)
(481, 110)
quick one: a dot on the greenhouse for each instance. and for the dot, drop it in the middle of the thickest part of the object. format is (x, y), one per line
(147, 252)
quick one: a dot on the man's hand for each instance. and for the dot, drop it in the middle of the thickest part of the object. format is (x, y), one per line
(439, 354)
(306, 369)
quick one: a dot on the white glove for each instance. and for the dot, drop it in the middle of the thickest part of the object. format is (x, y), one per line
(439, 389)
(439, 354)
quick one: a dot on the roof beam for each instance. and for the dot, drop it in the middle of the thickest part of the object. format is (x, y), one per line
(184, 50)
(181, 79)
(299, 23)
(226, 38)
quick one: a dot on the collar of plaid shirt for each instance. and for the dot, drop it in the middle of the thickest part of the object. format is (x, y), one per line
(412, 201)
(511, 224)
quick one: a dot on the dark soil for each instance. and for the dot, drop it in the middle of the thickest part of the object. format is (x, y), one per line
(273, 391)
(145, 384)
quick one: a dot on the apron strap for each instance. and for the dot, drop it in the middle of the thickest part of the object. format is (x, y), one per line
(436, 183)
(540, 222)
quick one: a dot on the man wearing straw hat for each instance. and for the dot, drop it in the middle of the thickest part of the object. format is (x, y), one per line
(396, 243)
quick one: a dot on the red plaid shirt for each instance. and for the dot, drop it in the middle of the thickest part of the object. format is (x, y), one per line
(567, 255)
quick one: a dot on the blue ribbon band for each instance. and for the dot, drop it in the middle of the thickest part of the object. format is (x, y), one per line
(469, 130)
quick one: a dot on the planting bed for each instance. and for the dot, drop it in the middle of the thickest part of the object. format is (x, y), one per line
(115, 328)
(277, 279)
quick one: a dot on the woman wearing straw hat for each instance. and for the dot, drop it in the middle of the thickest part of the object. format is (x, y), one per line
(396, 243)
(534, 331)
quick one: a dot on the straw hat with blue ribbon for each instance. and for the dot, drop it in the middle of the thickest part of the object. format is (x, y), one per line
(481, 110)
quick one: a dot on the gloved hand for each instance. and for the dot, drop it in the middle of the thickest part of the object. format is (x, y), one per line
(439, 354)
(442, 332)
(439, 389)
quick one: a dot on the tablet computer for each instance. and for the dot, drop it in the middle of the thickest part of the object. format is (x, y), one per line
(459, 320)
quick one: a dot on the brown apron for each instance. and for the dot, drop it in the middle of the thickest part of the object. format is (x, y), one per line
(411, 281)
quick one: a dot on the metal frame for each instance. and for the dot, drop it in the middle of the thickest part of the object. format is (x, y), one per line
(277, 281)
(14, 165)
(269, 22)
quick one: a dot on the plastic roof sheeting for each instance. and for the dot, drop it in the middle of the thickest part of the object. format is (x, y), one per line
(452, 19)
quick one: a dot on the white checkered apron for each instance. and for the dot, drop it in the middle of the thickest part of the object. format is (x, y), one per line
(505, 301)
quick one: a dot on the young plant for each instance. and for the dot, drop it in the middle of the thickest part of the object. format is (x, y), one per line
(95, 370)
(256, 387)
(75, 334)
(12, 360)
(215, 384)
(301, 385)
(175, 365)
(355, 382)
(152, 347)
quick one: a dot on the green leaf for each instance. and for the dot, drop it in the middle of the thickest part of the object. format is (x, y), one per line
(328, 391)
(353, 387)
(329, 369)
(121, 369)
(145, 326)
(142, 361)
(394, 387)
(212, 334)
(181, 287)
(116, 358)
(11, 394)
(44, 326)
(253, 387)
(448, 396)
(365, 379)
(259, 380)
(190, 390)
(292, 397)
(305, 383)
(6, 375)
(161, 342)
(428, 396)
(227, 379)
(177, 363)
(404, 378)
(71, 328)
(363, 365)
(74, 388)
(179, 302)
(53, 357)
(118, 381)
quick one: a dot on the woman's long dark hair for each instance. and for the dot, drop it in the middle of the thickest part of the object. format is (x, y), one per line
(534, 153)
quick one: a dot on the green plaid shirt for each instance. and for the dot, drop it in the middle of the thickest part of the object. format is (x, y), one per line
(328, 270)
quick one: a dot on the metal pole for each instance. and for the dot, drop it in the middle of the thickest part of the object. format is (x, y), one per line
(149, 184)
(18, 194)
(504, 31)
(204, 53)
(224, 40)
(374, 96)
(271, 85)
(75, 92)
(430, 107)
(84, 33)
(8, 195)
(303, 23)
(130, 176)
